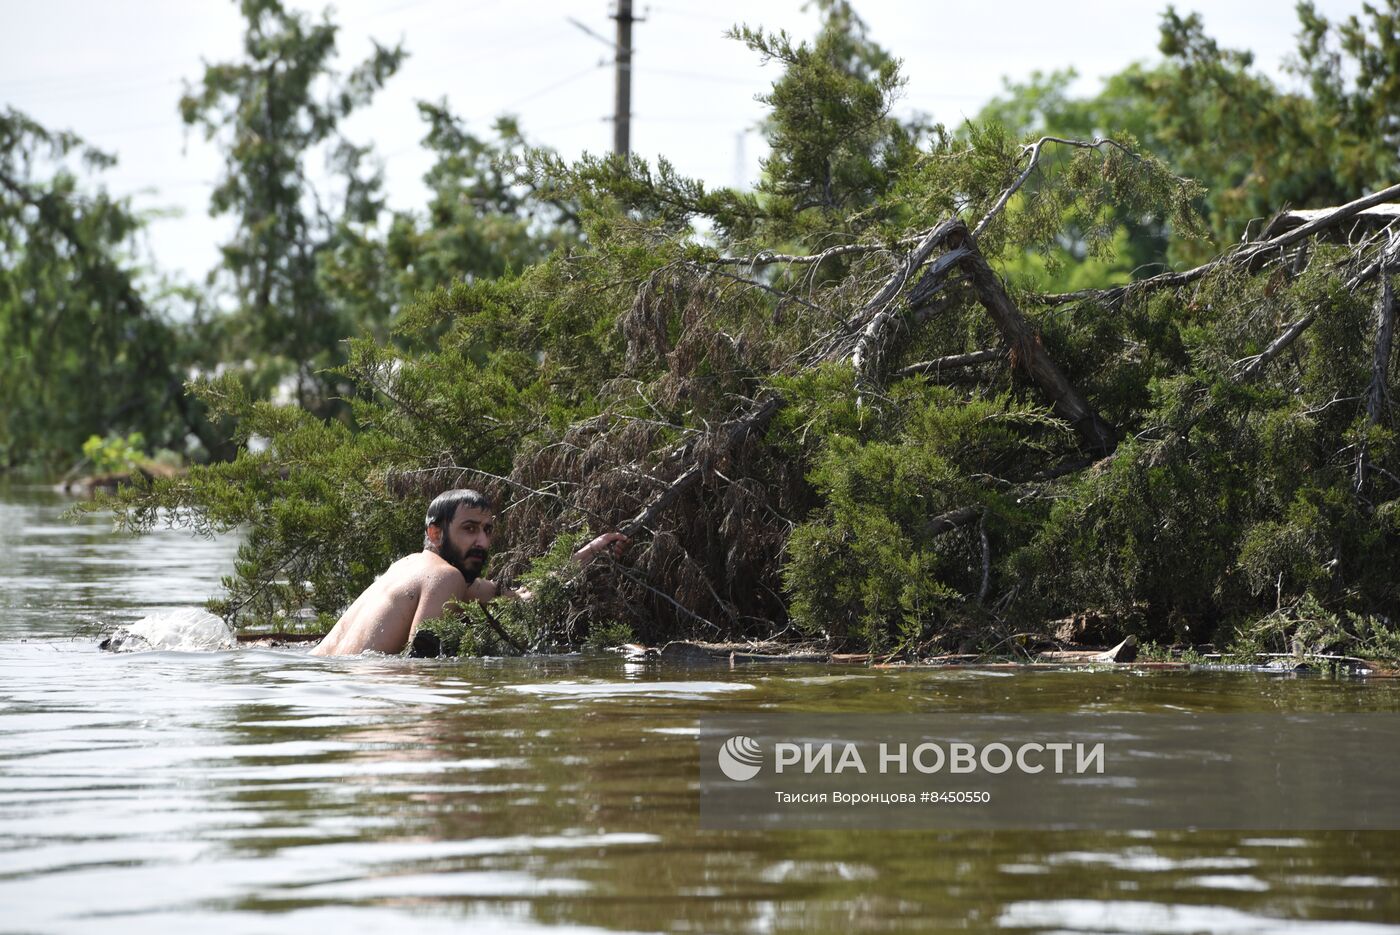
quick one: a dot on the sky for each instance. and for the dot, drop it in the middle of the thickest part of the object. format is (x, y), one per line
(113, 71)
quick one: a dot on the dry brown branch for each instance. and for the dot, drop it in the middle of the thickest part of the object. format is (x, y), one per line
(733, 434)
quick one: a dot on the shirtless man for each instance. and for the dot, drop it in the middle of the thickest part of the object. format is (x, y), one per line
(456, 543)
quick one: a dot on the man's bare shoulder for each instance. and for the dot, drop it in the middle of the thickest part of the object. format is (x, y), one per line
(426, 568)
(417, 563)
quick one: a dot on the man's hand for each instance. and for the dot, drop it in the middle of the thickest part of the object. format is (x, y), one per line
(611, 542)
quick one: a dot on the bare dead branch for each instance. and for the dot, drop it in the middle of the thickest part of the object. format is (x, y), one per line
(769, 259)
(951, 362)
(780, 293)
(1240, 256)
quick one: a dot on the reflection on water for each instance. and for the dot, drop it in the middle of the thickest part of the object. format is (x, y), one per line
(265, 791)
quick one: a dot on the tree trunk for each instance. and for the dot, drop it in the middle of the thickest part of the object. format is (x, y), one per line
(1029, 355)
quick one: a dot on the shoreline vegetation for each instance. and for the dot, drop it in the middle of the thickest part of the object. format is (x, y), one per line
(919, 387)
(1090, 658)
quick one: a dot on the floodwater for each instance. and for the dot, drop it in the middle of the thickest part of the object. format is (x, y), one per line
(265, 791)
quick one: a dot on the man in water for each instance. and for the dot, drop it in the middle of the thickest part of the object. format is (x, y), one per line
(456, 543)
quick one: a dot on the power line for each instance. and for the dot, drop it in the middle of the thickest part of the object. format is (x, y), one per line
(550, 87)
(675, 11)
(699, 76)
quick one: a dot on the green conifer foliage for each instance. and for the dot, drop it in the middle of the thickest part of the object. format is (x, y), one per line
(81, 350)
(844, 406)
(268, 111)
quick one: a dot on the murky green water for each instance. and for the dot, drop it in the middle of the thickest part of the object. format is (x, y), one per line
(265, 791)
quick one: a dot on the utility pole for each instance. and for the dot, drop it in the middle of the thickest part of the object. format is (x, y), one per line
(622, 107)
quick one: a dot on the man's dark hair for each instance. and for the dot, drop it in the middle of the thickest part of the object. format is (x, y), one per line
(444, 506)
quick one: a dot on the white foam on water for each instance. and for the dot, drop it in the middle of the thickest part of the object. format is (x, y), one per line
(188, 629)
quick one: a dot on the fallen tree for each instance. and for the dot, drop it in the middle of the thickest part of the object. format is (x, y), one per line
(765, 409)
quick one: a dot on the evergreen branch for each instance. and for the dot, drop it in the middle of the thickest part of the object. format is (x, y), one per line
(760, 285)
(1034, 150)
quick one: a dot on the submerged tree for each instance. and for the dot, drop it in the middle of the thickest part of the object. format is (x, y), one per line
(834, 414)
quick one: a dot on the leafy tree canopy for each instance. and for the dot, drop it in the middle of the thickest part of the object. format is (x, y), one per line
(269, 111)
(1255, 146)
(81, 350)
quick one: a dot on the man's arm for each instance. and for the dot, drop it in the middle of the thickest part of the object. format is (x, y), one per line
(483, 590)
(438, 591)
(613, 542)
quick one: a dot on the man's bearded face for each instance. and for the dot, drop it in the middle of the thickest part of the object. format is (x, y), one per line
(469, 562)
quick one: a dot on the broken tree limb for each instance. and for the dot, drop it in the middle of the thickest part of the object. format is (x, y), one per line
(1286, 221)
(879, 302)
(1324, 219)
(1030, 356)
(870, 348)
(951, 362)
(1125, 651)
(735, 433)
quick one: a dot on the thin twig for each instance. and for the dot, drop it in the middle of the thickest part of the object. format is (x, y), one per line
(500, 630)
(1034, 150)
